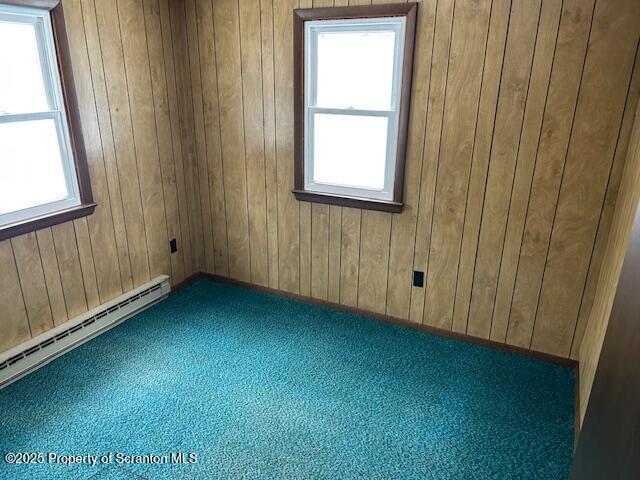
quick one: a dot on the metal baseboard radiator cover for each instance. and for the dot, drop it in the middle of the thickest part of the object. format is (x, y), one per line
(33, 354)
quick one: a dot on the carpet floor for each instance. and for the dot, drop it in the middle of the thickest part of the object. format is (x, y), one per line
(251, 385)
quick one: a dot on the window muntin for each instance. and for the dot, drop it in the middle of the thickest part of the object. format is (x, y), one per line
(37, 168)
(353, 74)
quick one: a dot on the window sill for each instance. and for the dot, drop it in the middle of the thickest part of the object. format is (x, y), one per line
(36, 223)
(345, 201)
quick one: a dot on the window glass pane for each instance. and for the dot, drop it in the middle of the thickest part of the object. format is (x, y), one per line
(21, 84)
(355, 69)
(31, 171)
(350, 150)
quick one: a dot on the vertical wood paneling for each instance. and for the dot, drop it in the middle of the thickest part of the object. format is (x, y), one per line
(112, 60)
(621, 226)
(250, 44)
(305, 248)
(187, 115)
(534, 111)
(122, 59)
(201, 171)
(227, 39)
(403, 226)
(319, 250)
(494, 97)
(350, 256)
(176, 137)
(144, 132)
(15, 325)
(85, 254)
(466, 60)
(32, 283)
(608, 209)
(211, 113)
(182, 69)
(431, 150)
(504, 150)
(491, 82)
(288, 214)
(52, 276)
(64, 241)
(595, 133)
(163, 126)
(558, 119)
(268, 93)
(103, 129)
(102, 272)
(375, 233)
(335, 246)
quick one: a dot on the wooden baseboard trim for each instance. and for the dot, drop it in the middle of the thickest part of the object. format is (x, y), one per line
(566, 362)
(576, 408)
(190, 279)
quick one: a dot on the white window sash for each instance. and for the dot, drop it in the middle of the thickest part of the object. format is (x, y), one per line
(53, 87)
(311, 109)
(387, 191)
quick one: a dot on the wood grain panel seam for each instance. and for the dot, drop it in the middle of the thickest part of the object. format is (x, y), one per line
(55, 257)
(84, 286)
(386, 285)
(275, 142)
(195, 141)
(115, 152)
(24, 303)
(604, 197)
(102, 162)
(329, 246)
(181, 165)
(155, 126)
(473, 150)
(185, 157)
(264, 137)
(564, 164)
(133, 136)
(359, 259)
(535, 163)
(93, 260)
(224, 193)
(264, 147)
(517, 161)
(339, 255)
(100, 135)
(173, 153)
(435, 188)
(424, 140)
(244, 139)
(46, 286)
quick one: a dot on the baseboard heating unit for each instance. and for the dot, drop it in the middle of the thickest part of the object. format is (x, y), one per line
(40, 350)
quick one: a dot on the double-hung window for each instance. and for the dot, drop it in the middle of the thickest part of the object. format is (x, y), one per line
(353, 75)
(43, 175)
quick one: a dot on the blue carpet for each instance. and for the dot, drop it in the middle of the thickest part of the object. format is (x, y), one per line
(257, 386)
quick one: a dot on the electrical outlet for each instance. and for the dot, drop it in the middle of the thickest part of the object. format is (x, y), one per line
(173, 245)
(418, 278)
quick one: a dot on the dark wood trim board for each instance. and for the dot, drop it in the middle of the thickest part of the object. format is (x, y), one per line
(565, 362)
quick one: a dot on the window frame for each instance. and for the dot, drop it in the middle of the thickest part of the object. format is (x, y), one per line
(301, 190)
(67, 105)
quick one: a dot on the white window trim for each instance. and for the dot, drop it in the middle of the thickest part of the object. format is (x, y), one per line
(311, 29)
(41, 20)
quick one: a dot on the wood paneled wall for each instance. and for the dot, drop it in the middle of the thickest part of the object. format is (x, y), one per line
(127, 62)
(621, 225)
(521, 115)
